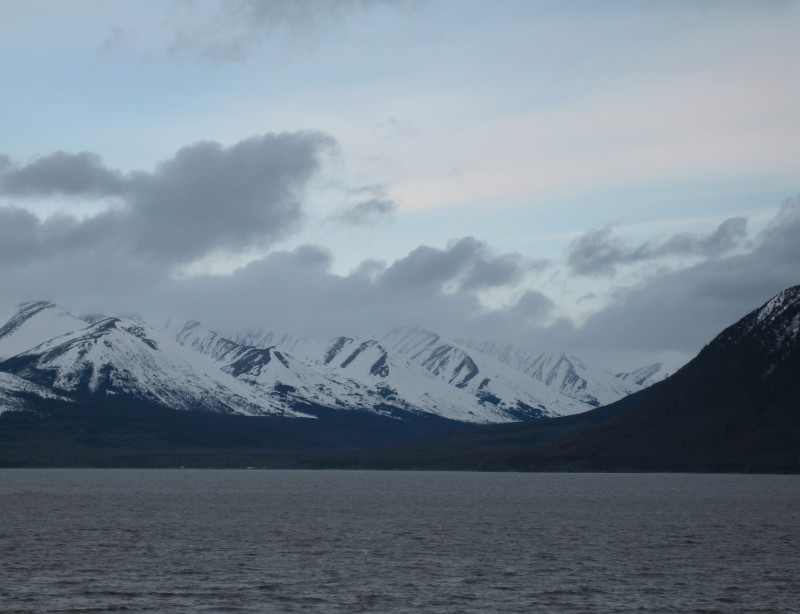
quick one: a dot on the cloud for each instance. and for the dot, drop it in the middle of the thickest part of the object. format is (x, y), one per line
(683, 309)
(297, 291)
(468, 264)
(227, 31)
(61, 173)
(18, 228)
(368, 212)
(206, 198)
(532, 307)
(209, 197)
(598, 252)
(489, 272)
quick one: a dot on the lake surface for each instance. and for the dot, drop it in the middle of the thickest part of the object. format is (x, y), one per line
(338, 541)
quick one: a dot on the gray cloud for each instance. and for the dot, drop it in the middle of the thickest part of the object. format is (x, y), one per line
(207, 197)
(226, 31)
(683, 309)
(105, 263)
(599, 252)
(61, 173)
(466, 263)
(18, 230)
(532, 307)
(489, 272)
(368, 212)
(290, 291)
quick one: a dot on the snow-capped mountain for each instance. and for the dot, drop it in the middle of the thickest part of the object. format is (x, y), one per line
(121, 357)
(478, 373)
(186, 366)
(362, 374)
(567, 374)
(401, 376)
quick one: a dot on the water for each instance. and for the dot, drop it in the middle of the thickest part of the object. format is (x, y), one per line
(336, 541)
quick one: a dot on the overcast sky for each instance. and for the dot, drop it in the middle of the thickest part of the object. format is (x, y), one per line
(616, 179)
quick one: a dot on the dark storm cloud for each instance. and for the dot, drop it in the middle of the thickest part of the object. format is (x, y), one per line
(61, 173)
(207, 197)
(368, 212)
(227, 30)
(599, 252)
(683, 309)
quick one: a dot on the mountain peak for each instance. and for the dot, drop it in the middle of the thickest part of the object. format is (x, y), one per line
(783, 303)
(770, 332)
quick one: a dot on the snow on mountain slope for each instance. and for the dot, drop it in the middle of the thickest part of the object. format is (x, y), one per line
(644, 376)
(407, 369)
(16, 393)
(122, 357)
(346, 373)
(264, 339)
(567, 374)
(272, 371)
(34, 323)
(400, 380)
(479, 374)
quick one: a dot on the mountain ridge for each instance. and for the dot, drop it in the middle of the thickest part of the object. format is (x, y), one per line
(734, 407)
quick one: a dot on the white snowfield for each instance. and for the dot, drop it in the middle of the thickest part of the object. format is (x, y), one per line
(187, 366)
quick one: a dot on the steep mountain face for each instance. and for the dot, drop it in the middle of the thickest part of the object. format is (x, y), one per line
(567, 374)
(116, 357)
(34, 323)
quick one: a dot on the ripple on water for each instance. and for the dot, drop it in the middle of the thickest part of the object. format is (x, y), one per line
(256, 541)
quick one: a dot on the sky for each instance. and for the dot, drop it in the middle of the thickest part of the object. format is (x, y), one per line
(618, 180)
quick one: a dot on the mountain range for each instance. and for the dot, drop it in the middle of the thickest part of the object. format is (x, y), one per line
(115, 391)
(183, 365)
(734, 407)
